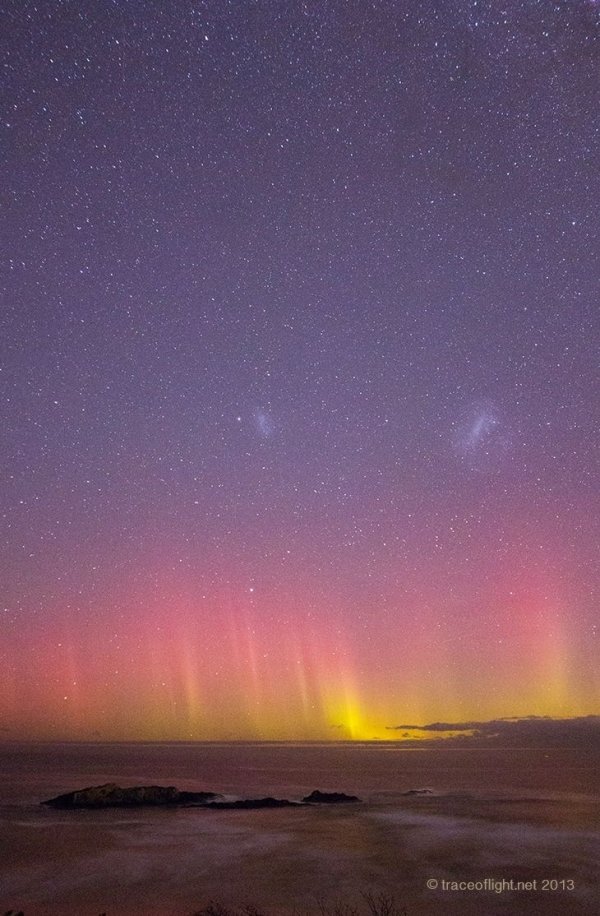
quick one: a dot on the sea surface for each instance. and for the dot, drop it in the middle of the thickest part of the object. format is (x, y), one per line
(492, 816)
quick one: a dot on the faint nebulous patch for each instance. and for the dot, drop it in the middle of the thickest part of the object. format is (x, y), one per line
(263, 423)
(482, 437)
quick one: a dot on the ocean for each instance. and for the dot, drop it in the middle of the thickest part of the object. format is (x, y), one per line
(501, 831)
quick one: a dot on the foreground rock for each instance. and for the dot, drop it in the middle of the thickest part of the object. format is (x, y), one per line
(113, 796)
(328, 798)
(248, 803)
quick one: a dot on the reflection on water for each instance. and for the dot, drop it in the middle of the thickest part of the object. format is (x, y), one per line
(520, 815)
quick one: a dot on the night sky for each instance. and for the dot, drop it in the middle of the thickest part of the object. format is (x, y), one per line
(299, 349)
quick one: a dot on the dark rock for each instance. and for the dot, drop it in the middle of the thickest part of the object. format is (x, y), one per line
(113, 796)
(418, 792)
(328, 798)
(196, 798)
(248, 803)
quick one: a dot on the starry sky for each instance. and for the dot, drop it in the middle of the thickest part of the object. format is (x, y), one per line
(299, 366)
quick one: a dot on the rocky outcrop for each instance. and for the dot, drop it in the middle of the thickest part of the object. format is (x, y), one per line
(248, 803)
(328, 798)
(112, 796)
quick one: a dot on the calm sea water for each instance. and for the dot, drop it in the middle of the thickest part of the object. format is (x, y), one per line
(492, 816)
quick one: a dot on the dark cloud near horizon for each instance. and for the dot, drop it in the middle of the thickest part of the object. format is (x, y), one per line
(532, 731)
